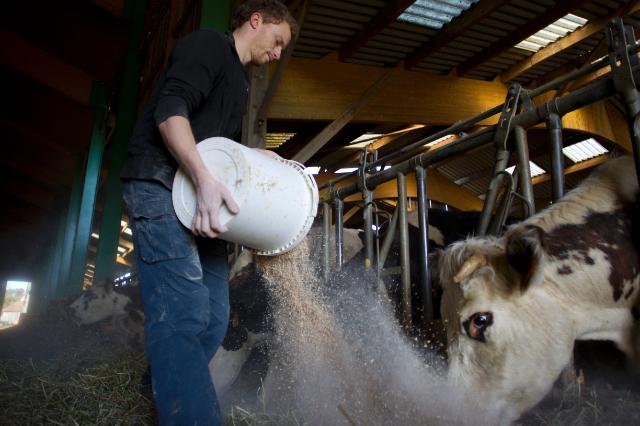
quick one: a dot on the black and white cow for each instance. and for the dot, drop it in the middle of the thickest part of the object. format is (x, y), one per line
(119, 308)
(513, 306)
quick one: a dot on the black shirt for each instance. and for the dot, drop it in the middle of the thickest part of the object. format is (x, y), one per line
(204, 81)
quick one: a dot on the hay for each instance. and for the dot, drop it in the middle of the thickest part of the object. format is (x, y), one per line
(48, 392)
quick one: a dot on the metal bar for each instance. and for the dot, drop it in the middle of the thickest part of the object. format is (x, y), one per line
(598, 90)
(71, 227)
(405, 275)
(524, 170)
(623, 80)
(367, 215)
(554, 124)
(339, 235)
(490, 201)
(388, 239)
(326, 228)
(423, 221)
(127, 108)
(89, 190)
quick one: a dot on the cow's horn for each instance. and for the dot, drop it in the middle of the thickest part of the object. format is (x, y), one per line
(476, 261)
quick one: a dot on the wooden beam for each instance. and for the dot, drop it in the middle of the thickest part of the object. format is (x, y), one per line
(347, 115)
(568, 41)
(260, 124)
(44, 112)
(80, 33)
(323, 89)
(44, 67)
(583, 165)
(349, 154)
(439, 188)
(551, 15)
(455, 28)
(114, 7)
(386, 16)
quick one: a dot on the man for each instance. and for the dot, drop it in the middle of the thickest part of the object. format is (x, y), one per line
(184, 273)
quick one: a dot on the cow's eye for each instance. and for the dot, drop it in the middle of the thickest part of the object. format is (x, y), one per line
(476, 325)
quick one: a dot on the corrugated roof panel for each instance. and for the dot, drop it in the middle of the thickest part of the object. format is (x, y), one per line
(432, 14)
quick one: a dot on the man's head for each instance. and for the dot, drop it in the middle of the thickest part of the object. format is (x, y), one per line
(262, 28)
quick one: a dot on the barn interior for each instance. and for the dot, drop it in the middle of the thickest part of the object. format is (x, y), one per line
(362, 76)
(374, 74)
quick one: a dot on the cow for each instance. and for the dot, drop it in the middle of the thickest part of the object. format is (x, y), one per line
(121, 305)
(514, 305)
(119, 308)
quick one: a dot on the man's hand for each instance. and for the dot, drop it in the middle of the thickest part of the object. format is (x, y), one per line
(211, 194)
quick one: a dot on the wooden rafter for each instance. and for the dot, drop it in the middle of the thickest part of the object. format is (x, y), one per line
(391, 11)
(551, 15)
(347, 115)
(45, 67)
(583, 165)
(454, 29)
(568, 41)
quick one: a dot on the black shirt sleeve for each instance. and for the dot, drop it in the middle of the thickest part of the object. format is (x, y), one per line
(194, 68)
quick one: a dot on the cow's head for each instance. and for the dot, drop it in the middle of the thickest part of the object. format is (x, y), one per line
(99, 302)
(506, 341)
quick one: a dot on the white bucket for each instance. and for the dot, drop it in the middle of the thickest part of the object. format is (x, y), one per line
(278, 198)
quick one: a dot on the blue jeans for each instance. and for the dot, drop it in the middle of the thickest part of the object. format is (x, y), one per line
(185, 294)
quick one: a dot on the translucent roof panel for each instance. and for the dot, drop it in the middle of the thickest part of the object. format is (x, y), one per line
(552, 32)
(434, 14)
(584, 150)
(533, 167)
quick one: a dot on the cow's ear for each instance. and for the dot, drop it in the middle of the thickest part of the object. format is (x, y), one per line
(524, 255)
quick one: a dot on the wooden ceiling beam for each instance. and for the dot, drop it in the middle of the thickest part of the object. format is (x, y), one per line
(386, 16)
(78, 32)
(343, 118)
(114, 7)
(583, 165)
(322, 90)
(44, 67)
(531, 27)
(454, 29)
(568, 41)
(58, 119)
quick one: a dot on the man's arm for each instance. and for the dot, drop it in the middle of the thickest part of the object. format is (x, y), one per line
(211, 194)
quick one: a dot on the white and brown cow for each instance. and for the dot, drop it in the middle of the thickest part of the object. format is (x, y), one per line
(513, 306)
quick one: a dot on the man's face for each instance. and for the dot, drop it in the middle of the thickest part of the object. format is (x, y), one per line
(270, 42)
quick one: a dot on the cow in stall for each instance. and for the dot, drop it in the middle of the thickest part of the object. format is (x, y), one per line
(119, 310)
(514, 305)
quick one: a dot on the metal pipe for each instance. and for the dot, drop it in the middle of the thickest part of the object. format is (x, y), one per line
(554, 124)
(405, 277)
(339, 235)
(589, 94)
(388, 239)
(502, 160)
(326, 228)
(524, 170)
(461, 125)
(423, 222)
(367, 214)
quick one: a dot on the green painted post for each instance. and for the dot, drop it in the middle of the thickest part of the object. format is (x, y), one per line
(127, 106)
(43, 291)
(216, 14)
(99, 96)
(70, 225)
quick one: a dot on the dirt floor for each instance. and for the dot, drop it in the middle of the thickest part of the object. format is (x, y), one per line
(53, 371)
